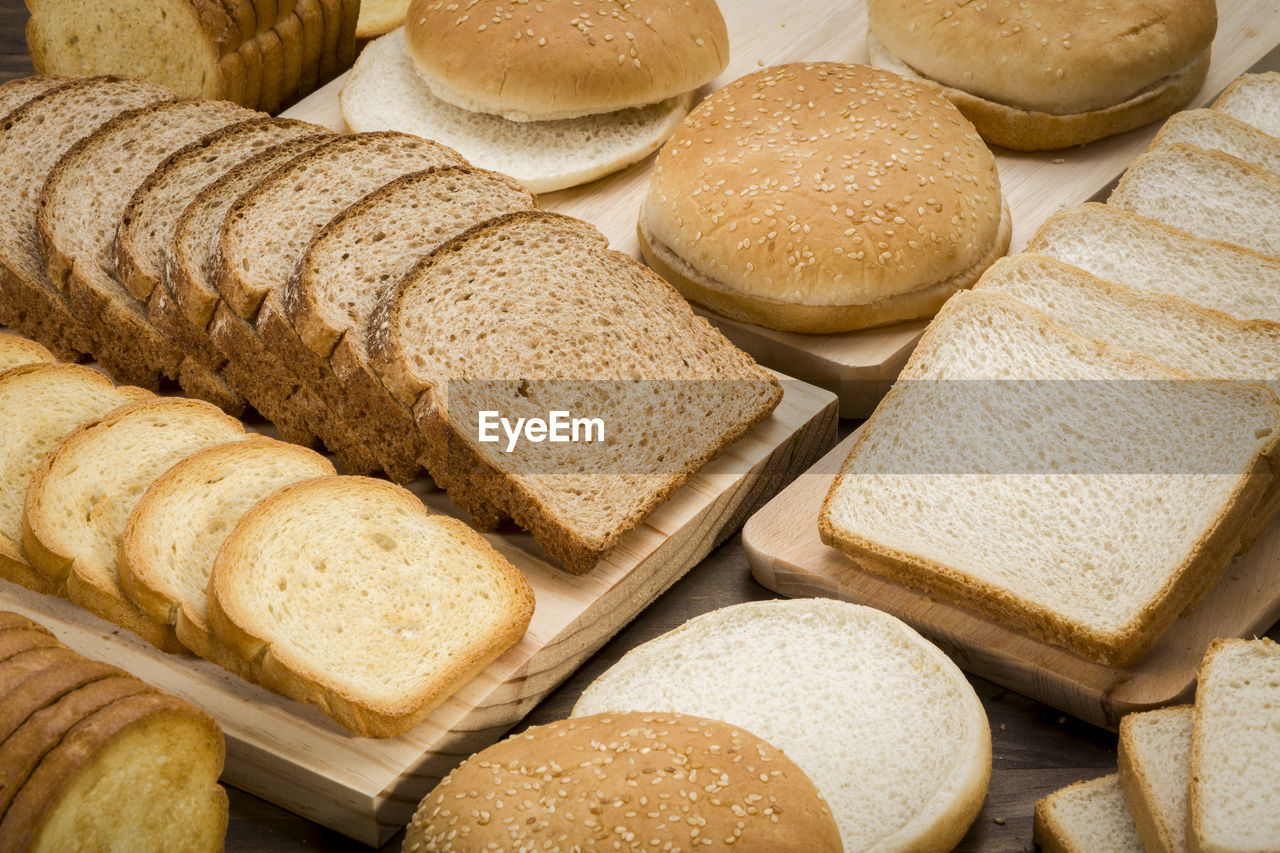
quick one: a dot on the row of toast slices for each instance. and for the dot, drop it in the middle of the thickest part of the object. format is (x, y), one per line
(340, 284)
(162, 515)
(1136, 351)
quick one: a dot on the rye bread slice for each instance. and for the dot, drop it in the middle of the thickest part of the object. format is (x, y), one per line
(540, 315)
(17, 351)
(333, 290)
(35, 138)
(77, 221)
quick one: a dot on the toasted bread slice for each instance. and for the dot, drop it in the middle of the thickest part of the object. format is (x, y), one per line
(16, 351)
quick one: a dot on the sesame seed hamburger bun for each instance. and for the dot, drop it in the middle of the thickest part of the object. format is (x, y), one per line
(824, 197)
(1046, 74)
(631, 781)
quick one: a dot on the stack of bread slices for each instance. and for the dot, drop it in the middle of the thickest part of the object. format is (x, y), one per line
(1200, 777)
(263, 54)
(1129, 360)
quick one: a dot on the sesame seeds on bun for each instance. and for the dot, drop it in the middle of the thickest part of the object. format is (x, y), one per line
(632, 781)
(824, 197)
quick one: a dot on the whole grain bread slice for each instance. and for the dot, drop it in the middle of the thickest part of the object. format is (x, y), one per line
(437, 603)
(335, 286)
(177, 527)
(540, 315)
(1254, 98)
(16, 351)
(39, 406)
(16, 92)
(35, 137)
(81, 495)
(1155, 760)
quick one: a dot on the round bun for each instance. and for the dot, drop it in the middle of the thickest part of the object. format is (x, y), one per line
(1041, 74)
(564, 58)
(621, 781)
(824, 197)
(880, 719)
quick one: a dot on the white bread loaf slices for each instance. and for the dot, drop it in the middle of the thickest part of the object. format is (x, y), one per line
(40, 405)
(879, 718)
(1254, 98)
(1022, 502)
(1145, 254)
(1216, 131)
(1207, 193)
(1235, 749)
(1087, 817)
(15, 351)
(80, 497)
(180, 522)
(436, 603)
(1155, 761)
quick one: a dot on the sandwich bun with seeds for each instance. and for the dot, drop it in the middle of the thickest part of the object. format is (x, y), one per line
(824, 197)
(554, 93)
(1045, 74)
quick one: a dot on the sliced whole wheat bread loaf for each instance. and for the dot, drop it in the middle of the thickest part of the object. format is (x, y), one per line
(1155, 760)
(1143, 253)
(335, 286)
(16, 351)
(1087, 817)
(1254, 98)
(80, 497)
(1216, 131)
(437, 602)
(39, 405)
(535, 297)
(35, 137)
(177, 527)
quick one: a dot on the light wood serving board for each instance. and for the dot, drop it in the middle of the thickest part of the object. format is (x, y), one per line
(787, 556)
(860, 366)
(290, 754)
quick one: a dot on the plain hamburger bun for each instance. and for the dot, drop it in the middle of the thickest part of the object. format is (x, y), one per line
(879, 718)
(1046, 74)
(626, 782)
(824, 197)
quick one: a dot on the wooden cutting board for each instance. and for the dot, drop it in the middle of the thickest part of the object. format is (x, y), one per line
(290, 754)
(860, 366)
(788, 557)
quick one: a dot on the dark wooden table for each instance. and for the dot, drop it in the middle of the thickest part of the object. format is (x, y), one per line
(1036, 749)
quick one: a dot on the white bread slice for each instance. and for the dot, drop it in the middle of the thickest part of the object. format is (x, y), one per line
(1216, 131)
(15, 351)
(542, 316)
(436, 604)
(1254, 98)
(1142, 253)
(174, 532)
(847, 692)
(1202, 343)
(385, 92)
(1001, 473)
(39, 405)
(378, 17)
(1208, 193)
(1235, 749)
(80, 497)
(1087, 817)
(1155, 760)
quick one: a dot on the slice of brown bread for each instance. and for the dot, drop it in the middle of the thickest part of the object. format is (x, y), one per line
(347, 34)
(16, 351)
(263, 237)
(77, 221)
(80, 497)
(35, 138)
(14, 93)
(122, 774)
(243, 16)
(51, 674)
(174, 532)
(332, 292)
(39, 405)
(540, 315)
(272, 51)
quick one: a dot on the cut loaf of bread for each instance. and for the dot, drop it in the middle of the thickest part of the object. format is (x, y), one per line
(39, 406)
(437, 604)
(1087, 817)
(16, 351)
(1142, 253)
(82, 493)
(177, 526)
(1207, 193)
(361, 253)
(1021, 503)
(1235, 749)
(1155, 760)
(35, 139)
(1216, 131)
(853, 695)
(1254, 98)
(542, 316)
